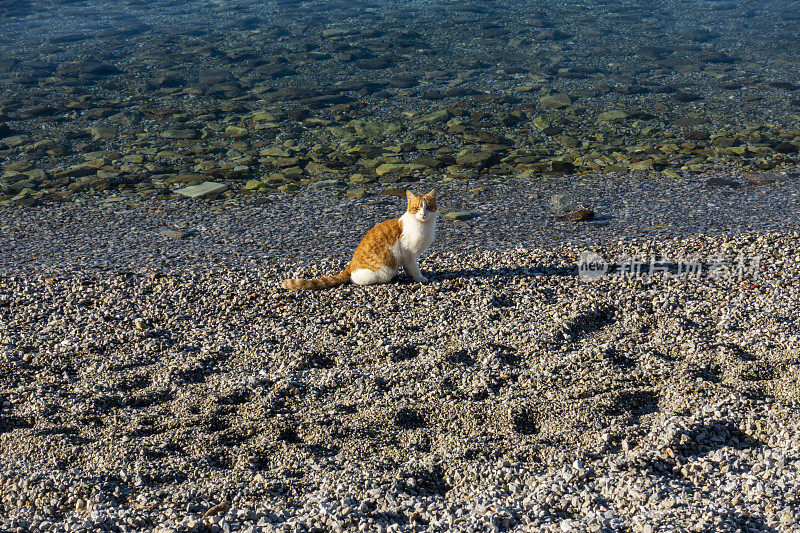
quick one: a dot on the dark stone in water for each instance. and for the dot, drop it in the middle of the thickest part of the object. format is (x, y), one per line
(561, 166)
(404, 82)
(653, 52)
(460, 91)
(790, 15)
(717, 57)
(364, 88)
(631, 89)
(7, 65)
(698, 35)
(290, 93)
(664, 89)
(786, 148)
(97, 68)
(551, 34)
(276, 73)
(641, 115)
(36, 111)
(428, 161)
(722, 182)
(18, 8)
(167, 81)
(571, 74)
(686, 97)
(552, 130)
(690, 121)
(247, 23)
(784, 85)
(375, 63)
(298, 114)
(697, 135)
(480, 136)
(27, 201)
(119, 33)
(213, 77)
(724, 6)
(5, 131)
(724, 142)
(489, 98)
(476, 159)
(318, 102)
(432, 95)
(69, 37)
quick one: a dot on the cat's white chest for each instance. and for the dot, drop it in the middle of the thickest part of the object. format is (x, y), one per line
(416, 236)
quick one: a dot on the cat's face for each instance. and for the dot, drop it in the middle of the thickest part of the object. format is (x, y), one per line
(422, 207)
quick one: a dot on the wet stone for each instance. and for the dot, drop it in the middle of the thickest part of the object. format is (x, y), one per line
(690, 121)
(205, 189)
(36, 111)
(472, 158)
(697, 135)
(359, 192)
(555, 101)
(787, 148)
(612, 116)
(686, 97)
(186, 133)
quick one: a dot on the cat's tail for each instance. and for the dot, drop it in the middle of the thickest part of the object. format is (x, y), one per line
(322, 283)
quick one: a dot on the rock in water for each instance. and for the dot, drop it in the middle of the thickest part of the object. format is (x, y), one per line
(207, 188)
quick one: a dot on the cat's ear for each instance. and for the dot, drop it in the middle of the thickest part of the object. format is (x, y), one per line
(431, 195)
(410, 196)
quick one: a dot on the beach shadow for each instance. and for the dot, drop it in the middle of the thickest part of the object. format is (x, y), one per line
(745, 522)
(703, 439)
(635, 269)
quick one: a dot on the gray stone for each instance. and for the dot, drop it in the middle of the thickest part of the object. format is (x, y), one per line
(207, 188)
(186, 133)
(555, 101)
(460, 215)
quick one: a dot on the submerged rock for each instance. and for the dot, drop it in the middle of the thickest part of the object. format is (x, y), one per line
(205, 189)
(612, 116)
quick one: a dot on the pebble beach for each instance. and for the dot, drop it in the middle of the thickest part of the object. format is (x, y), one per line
(608, 340)
(153, 369)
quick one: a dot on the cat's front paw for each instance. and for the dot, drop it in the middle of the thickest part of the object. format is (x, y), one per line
(421, 279)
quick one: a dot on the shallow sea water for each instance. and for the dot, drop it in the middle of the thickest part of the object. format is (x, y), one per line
(267, 97)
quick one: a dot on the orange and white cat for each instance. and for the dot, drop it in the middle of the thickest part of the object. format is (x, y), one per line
(385, 248)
